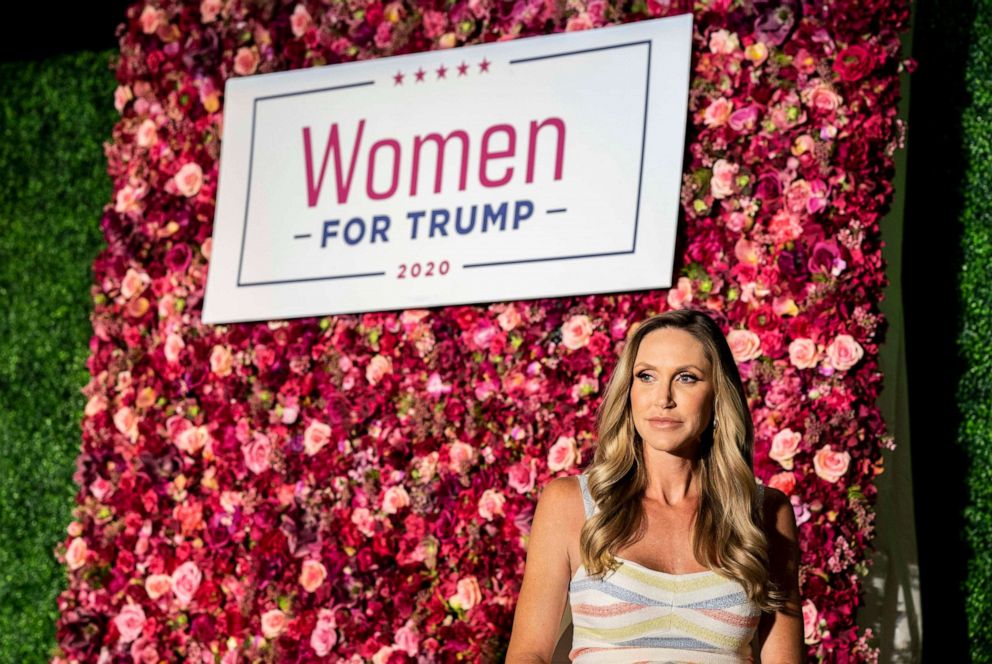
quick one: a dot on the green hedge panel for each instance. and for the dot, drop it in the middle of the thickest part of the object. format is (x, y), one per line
(54, 116)
(975, 343)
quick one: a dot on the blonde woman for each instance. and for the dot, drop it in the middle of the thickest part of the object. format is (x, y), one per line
(666, 547)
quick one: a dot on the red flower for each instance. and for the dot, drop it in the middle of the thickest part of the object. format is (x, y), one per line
(854, 63)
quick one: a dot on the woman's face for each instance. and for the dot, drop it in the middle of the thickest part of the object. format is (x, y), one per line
(672, 379)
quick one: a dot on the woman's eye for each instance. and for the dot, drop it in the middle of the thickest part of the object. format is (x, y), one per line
(681, 375)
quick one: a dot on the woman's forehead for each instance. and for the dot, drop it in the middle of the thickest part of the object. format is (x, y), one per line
(670, 348)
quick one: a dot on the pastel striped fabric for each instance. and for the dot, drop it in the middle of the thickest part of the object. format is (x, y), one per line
(637, 614)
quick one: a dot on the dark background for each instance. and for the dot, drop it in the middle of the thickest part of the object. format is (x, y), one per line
(61, 27)
(932, 259)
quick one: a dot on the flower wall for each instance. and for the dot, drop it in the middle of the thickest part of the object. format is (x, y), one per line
(360, 487)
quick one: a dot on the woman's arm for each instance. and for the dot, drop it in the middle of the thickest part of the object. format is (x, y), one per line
(780, 635)
(546, 576)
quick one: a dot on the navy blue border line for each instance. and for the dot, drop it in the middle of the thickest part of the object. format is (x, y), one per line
(640, 177)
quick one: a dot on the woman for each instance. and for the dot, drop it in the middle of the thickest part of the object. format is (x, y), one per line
(665, 546)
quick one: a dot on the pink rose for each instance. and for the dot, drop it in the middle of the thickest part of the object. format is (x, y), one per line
(830, 465)
(316, 437)
(460, 456)
(745, 345)
(173, 348)
(580, 21)
(785, 445)
(75, 555)
(324, 637)
(256, 453)
(509, 318)
(312, 575)
(122, 95)
(300, 21)
(126, 421)
(147, 134)
(681, 295)
(844, 352)
(193, 439)
(724, 41)
(426, 467)
(821, 96)
(747, 251)
(468, 594)
(491, 504)
(127, 199)
(209, 9)
(785, 226)
(246, 61)
(407, 640)
(784, 482)
(521, 476)
(484, 334)
(151, 19)
(744, 119)
(273, 623)
(434, 23)
(718, 112)
(134, 282)
(96, 404)
(143, 651)
(363, 520)
(436, 386)
(157, 585)
(221, 361)
(576, 331)
(100, 488)
(803, 353)
(724, 174)
(563, 454)
(797, 195)
(395, 499)
(185, 582)
(189, 179)
(130, 621)
(378, 367)
(810, 619)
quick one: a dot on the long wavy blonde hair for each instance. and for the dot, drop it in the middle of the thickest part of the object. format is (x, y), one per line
(727, 536)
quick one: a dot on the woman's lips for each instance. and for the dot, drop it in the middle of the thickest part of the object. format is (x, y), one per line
(664, 424)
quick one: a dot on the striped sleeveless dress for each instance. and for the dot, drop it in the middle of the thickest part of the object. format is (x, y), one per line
(639, 615)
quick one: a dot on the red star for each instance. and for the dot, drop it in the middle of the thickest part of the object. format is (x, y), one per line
(440, 71)
(462, 69)
(484, 65)
(398, 78)
(420, 75)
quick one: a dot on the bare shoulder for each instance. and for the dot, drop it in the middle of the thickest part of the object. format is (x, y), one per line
(560, 503)
(562, 496)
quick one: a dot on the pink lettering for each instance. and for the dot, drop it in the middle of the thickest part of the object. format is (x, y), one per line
(488, 153)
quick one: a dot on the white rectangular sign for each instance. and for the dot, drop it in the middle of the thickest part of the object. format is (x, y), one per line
(538, 167)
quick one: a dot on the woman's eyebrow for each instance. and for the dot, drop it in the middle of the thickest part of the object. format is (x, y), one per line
(682, 368)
